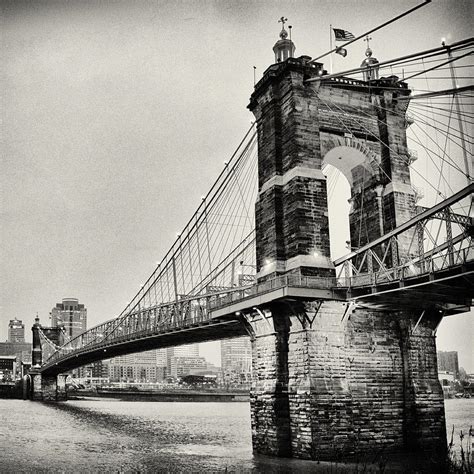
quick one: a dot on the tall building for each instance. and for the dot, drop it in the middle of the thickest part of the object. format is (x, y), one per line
(71, 316)
(236, 359)
(148, 366)
(16, 347)
(16, 331)
(448, 362)
(187, 350)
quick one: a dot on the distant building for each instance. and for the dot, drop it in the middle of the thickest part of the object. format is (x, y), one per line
(186, 350)
(16, 331)
(448, 362)
(181, 366)
(148, 366)
(236, 359)
(71, 316)
(21, 350)
(211, 369)
(96, 370)
(447, 380)
(8, 368)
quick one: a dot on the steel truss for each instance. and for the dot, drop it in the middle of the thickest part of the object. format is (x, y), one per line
(438, 238)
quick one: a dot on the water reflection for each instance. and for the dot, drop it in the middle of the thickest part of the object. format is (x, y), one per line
(117, 436)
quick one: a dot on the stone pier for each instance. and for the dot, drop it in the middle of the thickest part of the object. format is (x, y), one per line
(329, 384)
(50, 388)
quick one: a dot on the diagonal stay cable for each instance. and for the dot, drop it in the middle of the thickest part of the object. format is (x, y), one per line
(382, 143)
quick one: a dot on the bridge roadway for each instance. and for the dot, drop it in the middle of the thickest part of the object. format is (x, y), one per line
(451, 290)
(188, 333)
(190, 329)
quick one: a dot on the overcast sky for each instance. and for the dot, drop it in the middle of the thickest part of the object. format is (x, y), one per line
(118, 116)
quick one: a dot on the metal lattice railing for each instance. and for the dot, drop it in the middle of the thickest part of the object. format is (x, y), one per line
(275, 283)
(436, 239)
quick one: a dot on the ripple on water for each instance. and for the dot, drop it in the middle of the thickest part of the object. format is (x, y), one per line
(117, 436)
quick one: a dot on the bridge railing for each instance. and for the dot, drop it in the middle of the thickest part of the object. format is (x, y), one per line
(435, 239)
(275, 283)
(415, 268)
(414, 248)
(186, 312)
(175, 315)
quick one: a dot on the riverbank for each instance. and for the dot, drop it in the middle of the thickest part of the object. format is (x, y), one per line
(160, 396)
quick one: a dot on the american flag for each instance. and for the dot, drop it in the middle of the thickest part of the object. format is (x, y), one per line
(343, 35)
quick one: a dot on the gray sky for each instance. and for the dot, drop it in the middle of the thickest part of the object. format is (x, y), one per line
(118, 116)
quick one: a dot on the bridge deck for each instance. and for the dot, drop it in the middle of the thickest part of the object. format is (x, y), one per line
(450, 290)
(146, 340)
(235, 305)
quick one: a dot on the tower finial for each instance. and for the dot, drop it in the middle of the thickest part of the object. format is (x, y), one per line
(284, 47)
(371, 63)
(283, 32)
(368, 51)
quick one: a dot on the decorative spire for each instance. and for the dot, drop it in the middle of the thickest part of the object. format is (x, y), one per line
(284, 47)
(283, 33)
(372, 64)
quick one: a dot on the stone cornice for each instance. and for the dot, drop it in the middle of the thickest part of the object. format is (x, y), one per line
(297, 171)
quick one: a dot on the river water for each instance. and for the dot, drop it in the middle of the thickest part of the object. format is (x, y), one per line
(122, 436)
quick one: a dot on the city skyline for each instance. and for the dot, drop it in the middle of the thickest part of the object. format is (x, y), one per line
(102, 119)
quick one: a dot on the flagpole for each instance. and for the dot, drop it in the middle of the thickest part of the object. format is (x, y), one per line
(374, 29)
(330, 48)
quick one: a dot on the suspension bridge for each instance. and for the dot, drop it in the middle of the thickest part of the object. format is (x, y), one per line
(343, 347)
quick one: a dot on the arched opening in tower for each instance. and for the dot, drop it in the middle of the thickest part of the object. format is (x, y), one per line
(349, 172)
(338, 192)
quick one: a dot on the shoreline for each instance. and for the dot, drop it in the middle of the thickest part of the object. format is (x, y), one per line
(184, 396)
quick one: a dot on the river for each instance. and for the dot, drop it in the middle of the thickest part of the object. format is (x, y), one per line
(122, 436)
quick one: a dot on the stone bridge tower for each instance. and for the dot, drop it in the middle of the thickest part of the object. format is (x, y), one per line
(329, 381)
(40, 386)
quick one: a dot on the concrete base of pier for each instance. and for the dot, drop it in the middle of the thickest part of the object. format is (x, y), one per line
(331, 382)
(48, 388)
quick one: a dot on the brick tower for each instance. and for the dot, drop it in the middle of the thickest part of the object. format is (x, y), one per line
(328, 381)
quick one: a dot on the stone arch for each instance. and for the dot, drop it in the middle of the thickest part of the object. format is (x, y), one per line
(360, 163)
(349, 153)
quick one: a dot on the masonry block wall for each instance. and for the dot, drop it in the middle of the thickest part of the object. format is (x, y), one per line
(346, 384)
(36, 386)
(292, 198)
(49, 389)
(269, 398)
(381, 192)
